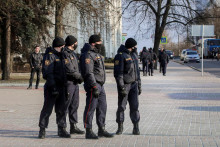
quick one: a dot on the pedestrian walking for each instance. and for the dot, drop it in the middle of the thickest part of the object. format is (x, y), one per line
(164, 60)
(127, 75)
(93, 72)
(145, 60)
(53, 70)
(35, 64)
(73, 79)
(152, 61)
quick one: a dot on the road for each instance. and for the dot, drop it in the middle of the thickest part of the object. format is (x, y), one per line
(210, 66)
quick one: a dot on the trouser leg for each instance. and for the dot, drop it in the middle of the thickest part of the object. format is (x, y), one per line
(74, 104)
(38, 77)
(60, 107)
(91, 104)
(31, 77)
(134, 103)
(46, 111)
(101, 107)
(122, 102)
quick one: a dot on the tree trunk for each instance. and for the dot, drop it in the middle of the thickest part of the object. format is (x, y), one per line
(59, 19)
(6, 63)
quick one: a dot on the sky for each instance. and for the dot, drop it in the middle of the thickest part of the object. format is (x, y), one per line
(130, 29)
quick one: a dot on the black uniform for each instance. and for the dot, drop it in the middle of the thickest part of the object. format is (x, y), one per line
(73, 79)
(164, 60)
(35, 64)
(152, 58)
(127, 75)
(54, 89)
(93, 72)
(145, 61)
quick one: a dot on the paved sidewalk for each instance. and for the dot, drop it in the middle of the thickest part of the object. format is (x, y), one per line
(179, 110)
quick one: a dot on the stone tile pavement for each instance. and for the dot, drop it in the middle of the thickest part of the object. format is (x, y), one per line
(179, 110)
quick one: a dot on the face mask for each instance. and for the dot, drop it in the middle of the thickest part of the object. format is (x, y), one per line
(75, 46)
(98, 47)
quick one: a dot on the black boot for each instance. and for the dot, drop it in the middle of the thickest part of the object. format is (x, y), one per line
(136, 129)
(36, 87)
(63, 133)
(90, 134)
(120, 129)
(75, 130)
(103, 133)
(42, 133)
(29, 87)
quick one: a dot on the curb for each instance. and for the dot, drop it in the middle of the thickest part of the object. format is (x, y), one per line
(187, 65)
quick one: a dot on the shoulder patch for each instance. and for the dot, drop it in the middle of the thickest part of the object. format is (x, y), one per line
(47, 62)
(116, 62)
(87, 61)
(120, 53)
(128, 59)
(66, 61)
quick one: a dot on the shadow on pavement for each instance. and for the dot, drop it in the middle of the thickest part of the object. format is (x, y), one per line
(25, 134)
(195, 96)
(202, 108)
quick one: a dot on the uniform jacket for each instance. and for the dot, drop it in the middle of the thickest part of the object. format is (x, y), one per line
(145, 56)
(92, 66)
(163, 58)
(152, 56)
(53, 68)
(36, 60)
(126, 69)
(71, 64)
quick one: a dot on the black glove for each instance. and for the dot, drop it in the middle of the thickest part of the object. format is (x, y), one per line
(55, 93)
(95, 92)
(139, 90)
(122, 92)
(77, 76)
(80, 80)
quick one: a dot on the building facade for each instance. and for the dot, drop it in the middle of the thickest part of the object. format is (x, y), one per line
(108, 24)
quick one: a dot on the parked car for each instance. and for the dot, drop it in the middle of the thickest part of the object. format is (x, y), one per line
(170, 54)
(182, 56)
(191, 56)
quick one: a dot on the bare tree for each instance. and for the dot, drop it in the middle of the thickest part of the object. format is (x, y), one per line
(156, 15)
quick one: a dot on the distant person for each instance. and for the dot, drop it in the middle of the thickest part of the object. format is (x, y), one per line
(145, 60)
(160, 51)
(35, 64)
(152, 61)
(164, 60)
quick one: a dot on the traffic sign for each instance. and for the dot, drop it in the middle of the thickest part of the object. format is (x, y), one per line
(163, 40)
(123, 38)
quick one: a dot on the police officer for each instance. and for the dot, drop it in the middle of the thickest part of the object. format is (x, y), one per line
(73, 79)
(93, 72)
(152, 60)
(127, 75)
(54, 89)
(35, 64)
(145, 57)
(164, 60)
